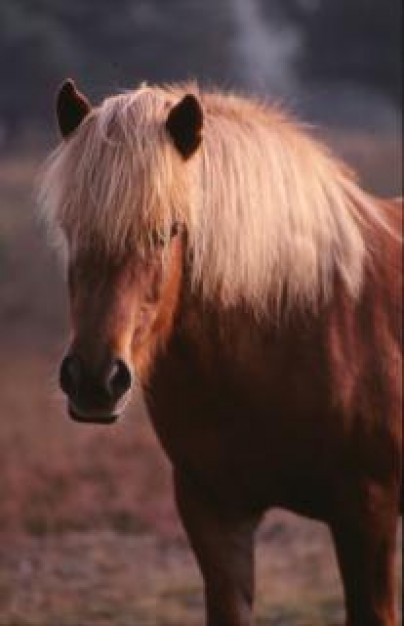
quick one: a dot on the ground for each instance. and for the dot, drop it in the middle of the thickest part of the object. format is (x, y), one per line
(88, 531)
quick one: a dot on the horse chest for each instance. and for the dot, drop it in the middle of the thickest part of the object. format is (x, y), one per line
(247, 443)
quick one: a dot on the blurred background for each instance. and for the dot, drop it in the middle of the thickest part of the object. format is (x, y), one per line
(88, 531)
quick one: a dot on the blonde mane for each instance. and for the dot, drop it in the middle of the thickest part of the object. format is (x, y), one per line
(270, 215)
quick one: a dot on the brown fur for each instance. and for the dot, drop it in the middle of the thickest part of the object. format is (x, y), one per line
(298, 407)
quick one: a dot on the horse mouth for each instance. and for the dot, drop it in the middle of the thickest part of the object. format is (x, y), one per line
(92, 418)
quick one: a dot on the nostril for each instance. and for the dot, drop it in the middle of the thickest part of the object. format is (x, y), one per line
(69, 375)
(119, 379)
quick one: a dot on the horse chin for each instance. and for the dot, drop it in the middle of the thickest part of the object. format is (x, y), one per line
(92, 418)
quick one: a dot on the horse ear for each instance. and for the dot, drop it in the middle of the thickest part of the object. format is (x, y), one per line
(71, 108)
(184, 124)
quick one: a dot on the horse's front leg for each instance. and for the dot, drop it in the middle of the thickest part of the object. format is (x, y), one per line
(223, 545)
(364, 534)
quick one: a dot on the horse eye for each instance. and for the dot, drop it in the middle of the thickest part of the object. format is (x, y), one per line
(158, 238)
(175, 229)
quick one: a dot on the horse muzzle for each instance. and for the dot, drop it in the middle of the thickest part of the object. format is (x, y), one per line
(98, 396)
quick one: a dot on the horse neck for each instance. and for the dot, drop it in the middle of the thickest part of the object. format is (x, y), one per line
(222, 342)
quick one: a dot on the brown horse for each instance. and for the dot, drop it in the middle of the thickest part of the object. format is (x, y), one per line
(223, 259)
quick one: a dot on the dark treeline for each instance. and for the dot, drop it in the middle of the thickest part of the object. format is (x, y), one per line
(351, 41)
(113, 44)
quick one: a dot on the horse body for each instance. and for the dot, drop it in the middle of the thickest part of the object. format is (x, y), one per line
(274, 387)
(304, 416)
(279, 410)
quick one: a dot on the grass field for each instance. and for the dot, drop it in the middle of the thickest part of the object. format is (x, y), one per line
(88, 531)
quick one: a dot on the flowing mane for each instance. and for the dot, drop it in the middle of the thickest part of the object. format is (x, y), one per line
(270, 213)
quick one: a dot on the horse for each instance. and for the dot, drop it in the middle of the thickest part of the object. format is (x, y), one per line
(223, 260)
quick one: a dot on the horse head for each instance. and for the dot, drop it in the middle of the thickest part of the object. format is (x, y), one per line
(122, 303)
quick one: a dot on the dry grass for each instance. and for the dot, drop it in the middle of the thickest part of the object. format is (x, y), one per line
(103, 578)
